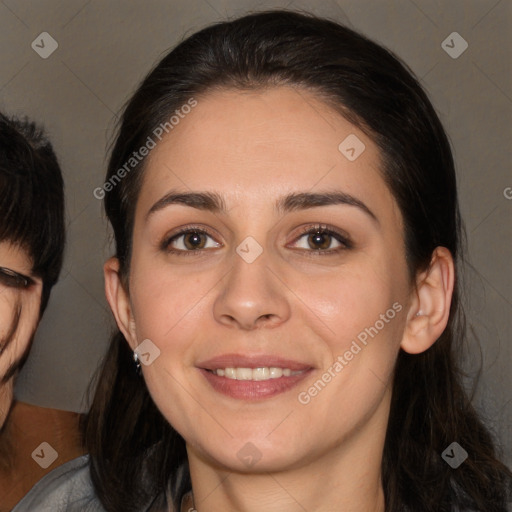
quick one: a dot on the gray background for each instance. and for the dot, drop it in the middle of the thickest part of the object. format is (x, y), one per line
(106, 48)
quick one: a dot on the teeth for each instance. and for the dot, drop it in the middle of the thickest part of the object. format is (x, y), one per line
(261, 373)
(275, 373)
(264, 373)
(243, 374)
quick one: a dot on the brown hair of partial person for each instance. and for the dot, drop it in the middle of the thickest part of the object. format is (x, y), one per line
(32, 211)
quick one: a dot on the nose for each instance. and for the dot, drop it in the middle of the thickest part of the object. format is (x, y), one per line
(252, 296)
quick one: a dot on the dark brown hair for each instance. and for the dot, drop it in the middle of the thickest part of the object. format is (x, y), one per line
(370, 87)
(32, 198)
(31, 210)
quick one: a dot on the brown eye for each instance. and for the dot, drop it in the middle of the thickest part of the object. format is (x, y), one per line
(190, 241)
(194, 240)
(13, 279)
(320, 240)
(323, 240)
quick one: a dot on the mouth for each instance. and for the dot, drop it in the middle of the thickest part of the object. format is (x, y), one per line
(255, 374)
(252, 377)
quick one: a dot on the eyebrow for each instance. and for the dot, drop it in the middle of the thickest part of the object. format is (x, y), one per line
(213, 202)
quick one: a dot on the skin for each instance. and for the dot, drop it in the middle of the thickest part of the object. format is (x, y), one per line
(25, 429)
(17, 259)
(252, 148)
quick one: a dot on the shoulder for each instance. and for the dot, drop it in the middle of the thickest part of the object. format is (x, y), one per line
(67, 488)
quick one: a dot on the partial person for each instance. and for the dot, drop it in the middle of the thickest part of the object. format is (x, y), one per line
(32, 240)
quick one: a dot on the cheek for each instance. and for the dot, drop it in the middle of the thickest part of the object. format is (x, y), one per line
(16, 333)
(346, 302)
(7, 313)
(6, 397)
(172, 312)
(165, 301)
(358, 316)
(9, 331)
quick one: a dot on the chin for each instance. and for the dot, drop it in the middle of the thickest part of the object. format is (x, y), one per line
(253, 454)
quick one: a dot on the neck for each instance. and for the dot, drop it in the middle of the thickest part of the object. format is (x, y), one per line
(26, 427)
(347, 477)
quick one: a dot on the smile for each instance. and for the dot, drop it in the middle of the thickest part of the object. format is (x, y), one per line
(255, 374)
(252, 377)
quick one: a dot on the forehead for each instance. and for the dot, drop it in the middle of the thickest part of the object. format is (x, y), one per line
(14, 257)
(254, 145)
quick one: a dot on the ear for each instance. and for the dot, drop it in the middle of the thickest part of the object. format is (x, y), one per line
(119, 301)
(430, 306)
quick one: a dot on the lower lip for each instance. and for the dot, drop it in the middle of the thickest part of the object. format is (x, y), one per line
(253, 389)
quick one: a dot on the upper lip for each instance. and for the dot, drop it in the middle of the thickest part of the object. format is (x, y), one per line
(251, 361)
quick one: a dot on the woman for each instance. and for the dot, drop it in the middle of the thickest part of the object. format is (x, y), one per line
(284, 204)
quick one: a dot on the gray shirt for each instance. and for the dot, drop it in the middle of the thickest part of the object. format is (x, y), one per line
(68, 488)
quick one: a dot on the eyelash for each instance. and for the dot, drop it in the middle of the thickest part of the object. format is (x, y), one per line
(13, 279)
(322, 229)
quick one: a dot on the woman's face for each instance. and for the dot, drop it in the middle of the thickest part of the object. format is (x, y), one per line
(311, 323)
(20, 298)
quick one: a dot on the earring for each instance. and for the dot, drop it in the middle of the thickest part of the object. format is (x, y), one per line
(137, 363)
